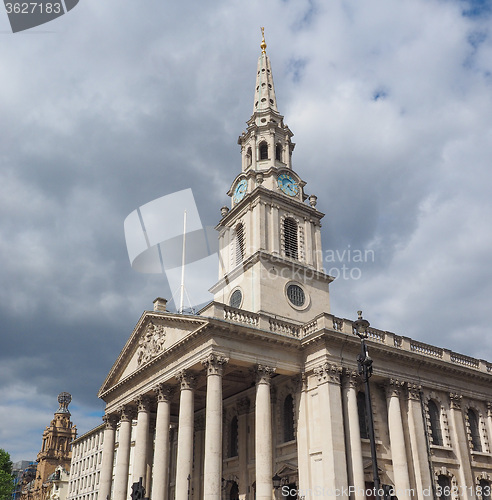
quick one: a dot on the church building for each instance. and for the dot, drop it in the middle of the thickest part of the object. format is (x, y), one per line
(258, 396)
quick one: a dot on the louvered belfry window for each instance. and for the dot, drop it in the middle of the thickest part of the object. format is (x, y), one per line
(239, 243)
(263, 151)
(290, 238)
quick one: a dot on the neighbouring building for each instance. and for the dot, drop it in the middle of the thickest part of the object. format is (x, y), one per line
(24, 473)
(85, 470)
(263, 382)
(55, 451)
(58, 484)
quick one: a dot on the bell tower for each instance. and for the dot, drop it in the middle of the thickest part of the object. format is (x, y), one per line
(269, 240)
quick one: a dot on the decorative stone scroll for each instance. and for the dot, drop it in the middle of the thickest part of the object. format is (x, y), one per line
(414, 391)
(328, 372)
(110, 421)
(186, 379)
(164, 392)
(143, 403)
(214, 364)
(393, 388)
(127, 413)
(264, 373)
(455, 401)
(151, 344)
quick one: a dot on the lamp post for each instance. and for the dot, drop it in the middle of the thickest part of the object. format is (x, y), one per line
(364, 364)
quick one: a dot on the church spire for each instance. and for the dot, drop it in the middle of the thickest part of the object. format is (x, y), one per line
(265, 91)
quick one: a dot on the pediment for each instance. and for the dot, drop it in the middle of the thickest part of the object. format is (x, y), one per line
(152, 337)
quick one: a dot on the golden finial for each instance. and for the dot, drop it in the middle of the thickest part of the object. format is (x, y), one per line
(263, 43)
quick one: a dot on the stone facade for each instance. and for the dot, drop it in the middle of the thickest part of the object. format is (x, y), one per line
(263, 382)
(85, 470)
(55, 452)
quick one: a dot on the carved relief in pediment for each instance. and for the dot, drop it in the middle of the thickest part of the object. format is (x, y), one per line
(151, 344)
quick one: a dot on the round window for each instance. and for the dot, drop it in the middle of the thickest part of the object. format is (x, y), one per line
(296, 295)
(236, 298)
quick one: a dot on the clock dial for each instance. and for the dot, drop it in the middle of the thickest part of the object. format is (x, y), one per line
(240, 191)
(288, 185)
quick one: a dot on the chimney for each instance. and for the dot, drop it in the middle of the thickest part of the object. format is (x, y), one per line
(160, 304)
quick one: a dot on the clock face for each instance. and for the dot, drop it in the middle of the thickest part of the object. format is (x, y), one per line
(288, 185)
(240, 191)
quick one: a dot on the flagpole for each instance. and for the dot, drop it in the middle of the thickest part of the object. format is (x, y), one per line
(181, 302)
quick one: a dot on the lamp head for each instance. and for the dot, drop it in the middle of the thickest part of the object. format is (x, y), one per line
(360, 326)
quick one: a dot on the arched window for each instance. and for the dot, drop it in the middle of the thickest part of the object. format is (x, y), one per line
(361, 408)
(443, 487)
(290, 238)
(233, 434)
(263, 151)
(435, 423)
(278, 152)
(288, 419)
(474, 430)
(239, 243)
(484, 491)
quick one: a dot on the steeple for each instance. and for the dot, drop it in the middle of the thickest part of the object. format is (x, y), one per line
(270, 240)
(265, 90)
(265, 122)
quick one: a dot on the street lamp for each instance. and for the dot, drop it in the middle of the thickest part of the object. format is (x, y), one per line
(364, 364)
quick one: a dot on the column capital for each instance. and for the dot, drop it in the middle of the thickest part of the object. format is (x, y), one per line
(127, 413)
(328, 372)
(214, 363)
(489, 409)
(186, 379)
(264, 373)
(393, 388)
(143, 403)
(164, 392)
(110, 421)
(243, 405)
(414, 391)
(455, 400)
(351, 378)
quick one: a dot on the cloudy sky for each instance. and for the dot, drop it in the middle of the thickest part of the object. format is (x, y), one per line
(118, 103)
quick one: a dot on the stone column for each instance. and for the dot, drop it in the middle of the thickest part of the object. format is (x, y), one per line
(212, 469)
(274, 242)
(141, 441)
(461, 446)
(334, 468)
(489, 422)
(160, 478)
(110, 422)
(263, 433)
(310, 247)
(417, 431)
(184, 460)
(397, 440)
(242, 450)
(302, 435)
(121, 473)
(352, 436)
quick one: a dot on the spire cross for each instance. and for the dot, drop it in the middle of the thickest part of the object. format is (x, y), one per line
(263, 43)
